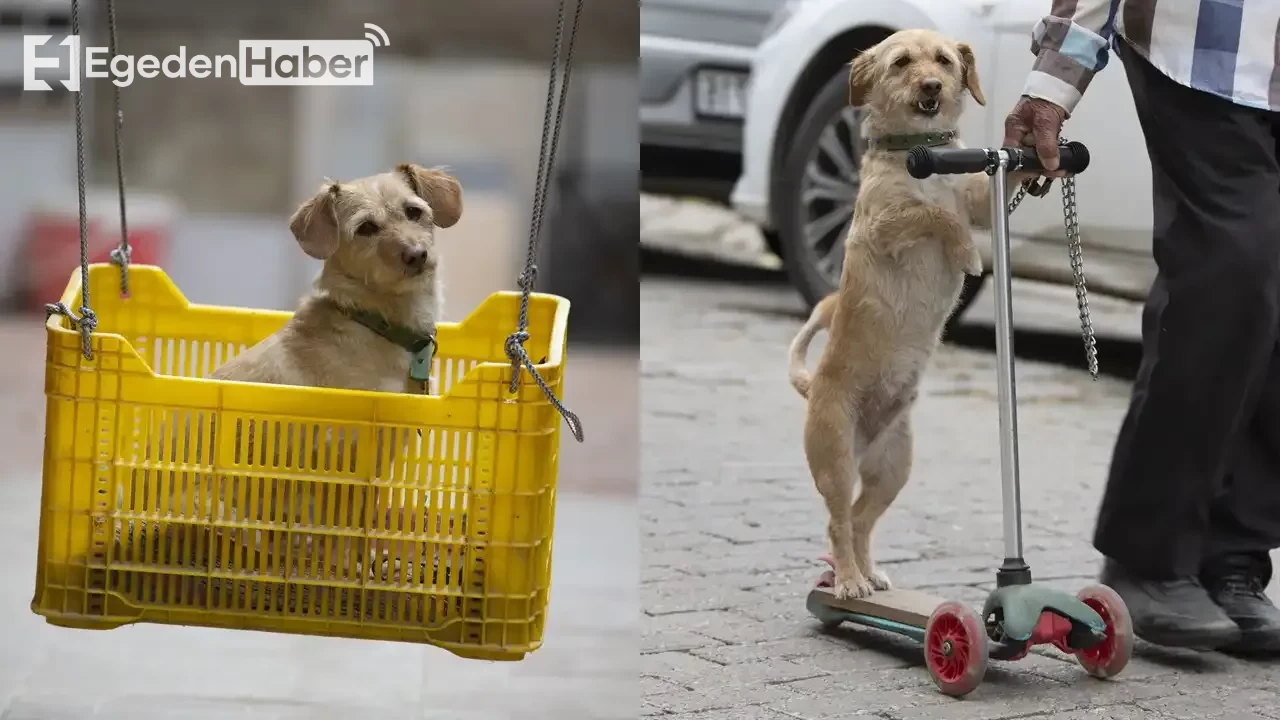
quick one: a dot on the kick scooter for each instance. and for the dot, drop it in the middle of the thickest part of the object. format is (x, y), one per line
(1094, 625)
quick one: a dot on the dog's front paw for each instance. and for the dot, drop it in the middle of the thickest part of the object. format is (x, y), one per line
(965, 256)
(973, 264)
(853, 588)
(879, 580)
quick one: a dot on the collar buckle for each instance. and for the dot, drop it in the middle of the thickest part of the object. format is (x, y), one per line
(893, 143)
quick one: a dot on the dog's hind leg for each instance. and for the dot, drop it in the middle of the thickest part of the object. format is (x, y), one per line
(829, 448)
(885, 469)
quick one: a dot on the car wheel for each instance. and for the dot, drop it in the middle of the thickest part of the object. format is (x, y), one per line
(818, 185)
(773, 242)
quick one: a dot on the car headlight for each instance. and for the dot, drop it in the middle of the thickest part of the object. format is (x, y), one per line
(780, 17)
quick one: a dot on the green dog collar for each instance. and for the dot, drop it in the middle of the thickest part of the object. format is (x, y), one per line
(421, 345)
(895, 143)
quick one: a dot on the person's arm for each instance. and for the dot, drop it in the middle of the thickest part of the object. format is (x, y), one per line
(1071, 45)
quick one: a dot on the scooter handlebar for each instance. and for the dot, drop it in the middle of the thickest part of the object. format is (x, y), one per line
(923, 162)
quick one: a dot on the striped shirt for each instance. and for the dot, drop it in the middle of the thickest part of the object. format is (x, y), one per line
(1230, 48)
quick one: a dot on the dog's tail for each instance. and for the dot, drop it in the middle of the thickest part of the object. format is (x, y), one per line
(819, 319)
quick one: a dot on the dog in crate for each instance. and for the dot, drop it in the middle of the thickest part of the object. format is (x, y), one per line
(375, 303)
(377, 239)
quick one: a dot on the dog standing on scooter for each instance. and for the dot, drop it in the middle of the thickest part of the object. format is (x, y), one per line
(907, 252)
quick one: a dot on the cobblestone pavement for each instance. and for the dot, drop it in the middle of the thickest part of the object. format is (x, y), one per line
(731, 527)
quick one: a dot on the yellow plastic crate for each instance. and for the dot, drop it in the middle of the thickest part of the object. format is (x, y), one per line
(171, 498)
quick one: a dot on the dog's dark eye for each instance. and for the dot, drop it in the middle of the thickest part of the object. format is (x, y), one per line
(903, 61)
(413, 212)
(944, 61)
(368, 227)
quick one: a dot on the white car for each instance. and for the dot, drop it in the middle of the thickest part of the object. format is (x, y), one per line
(801, 145)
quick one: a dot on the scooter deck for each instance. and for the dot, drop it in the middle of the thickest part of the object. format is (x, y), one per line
(905, 612)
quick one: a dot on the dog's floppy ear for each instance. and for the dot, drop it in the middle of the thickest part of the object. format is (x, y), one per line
(315, 225)
(441, 191)
(970, 69)
(862, 76)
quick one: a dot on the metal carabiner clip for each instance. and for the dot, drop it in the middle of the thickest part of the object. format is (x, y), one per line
(1038, 186)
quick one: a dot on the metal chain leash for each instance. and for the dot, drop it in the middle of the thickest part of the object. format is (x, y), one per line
(1071, 221)
(1018, 196)
(122, 254)
(86, 322)
(553, 116)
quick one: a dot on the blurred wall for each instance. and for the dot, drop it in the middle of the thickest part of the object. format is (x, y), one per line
(461, 84)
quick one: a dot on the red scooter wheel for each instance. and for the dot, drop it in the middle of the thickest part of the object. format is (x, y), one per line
(955, 648)
(1107, 658)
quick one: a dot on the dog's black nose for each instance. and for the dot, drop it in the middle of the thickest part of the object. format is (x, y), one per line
(931, 87)
(414, 257)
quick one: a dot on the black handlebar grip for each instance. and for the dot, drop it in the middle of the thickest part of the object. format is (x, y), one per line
(1073, 158)
(923, 162)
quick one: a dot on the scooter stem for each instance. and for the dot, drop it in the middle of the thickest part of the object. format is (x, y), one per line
(1014, 570)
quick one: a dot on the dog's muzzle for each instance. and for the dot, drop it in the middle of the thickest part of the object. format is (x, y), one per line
(928, 100)
(415, 260)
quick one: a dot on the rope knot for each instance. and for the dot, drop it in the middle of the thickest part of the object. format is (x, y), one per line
(51, 309)
(520, 358)
(88, 320)
(515, 346)
(121, 256)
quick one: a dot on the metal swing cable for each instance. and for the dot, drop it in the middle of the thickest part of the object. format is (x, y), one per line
(86, 322)
(122, 254)
(552, 119)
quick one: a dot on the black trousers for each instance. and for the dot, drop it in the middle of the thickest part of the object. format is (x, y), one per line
(1196, 470)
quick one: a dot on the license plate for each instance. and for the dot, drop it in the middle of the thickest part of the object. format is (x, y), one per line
(720, 93)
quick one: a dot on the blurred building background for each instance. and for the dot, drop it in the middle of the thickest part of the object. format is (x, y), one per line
(215, 167)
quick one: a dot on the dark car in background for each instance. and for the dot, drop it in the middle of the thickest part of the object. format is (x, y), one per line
(695, 60)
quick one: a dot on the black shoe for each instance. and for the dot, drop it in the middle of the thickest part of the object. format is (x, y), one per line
(1237, 584)
(1173, 613)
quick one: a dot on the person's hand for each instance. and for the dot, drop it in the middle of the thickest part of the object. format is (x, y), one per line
(1036, 123)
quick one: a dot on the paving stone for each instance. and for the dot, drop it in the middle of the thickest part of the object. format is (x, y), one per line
(1216, 703)
(651, 685)
(992, 702)
(675, 665)
(841, 702)
(674, 640)
(755, 712)
(1110, 712)
(720, 697)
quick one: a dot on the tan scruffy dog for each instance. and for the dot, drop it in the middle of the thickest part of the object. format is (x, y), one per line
(906, 255)
(369, 322)
(376, 302)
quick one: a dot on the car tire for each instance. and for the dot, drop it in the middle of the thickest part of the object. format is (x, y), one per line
(802, 265)
(773, 242)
